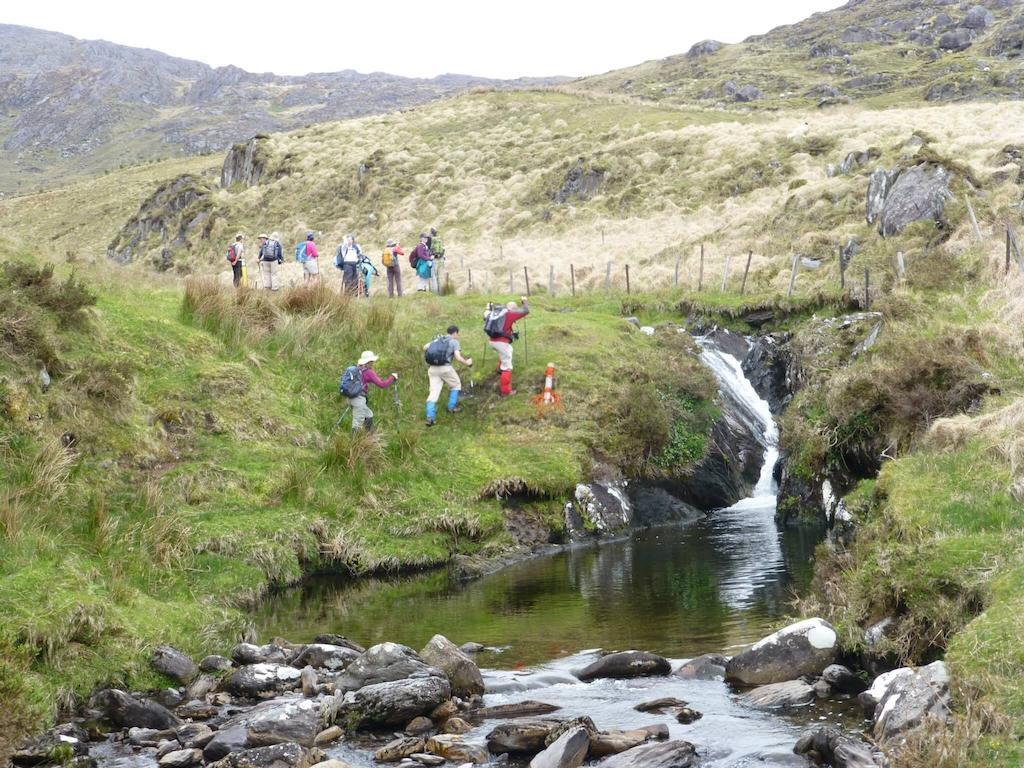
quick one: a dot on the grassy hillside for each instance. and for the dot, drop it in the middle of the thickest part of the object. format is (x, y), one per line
(184, 457)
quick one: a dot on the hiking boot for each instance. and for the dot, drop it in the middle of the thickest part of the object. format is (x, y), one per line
(456, 409)
(431, 422)
(509, 393)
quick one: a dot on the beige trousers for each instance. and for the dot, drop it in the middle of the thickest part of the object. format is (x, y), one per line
(440, 375)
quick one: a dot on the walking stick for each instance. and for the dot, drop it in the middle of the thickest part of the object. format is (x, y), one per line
(343, 415)
(398, 404)
(526, 346)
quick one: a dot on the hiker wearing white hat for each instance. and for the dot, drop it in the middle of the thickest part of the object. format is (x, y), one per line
(354, 385)
(271, 256)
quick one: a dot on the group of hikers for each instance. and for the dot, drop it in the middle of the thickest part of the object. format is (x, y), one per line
(357, 270)
(439, 355)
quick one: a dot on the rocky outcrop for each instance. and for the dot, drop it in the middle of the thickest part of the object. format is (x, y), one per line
(654, 505)
(830, 746)
(625, 664)
(68, 738)
(245, 163)
(804, 648)
(958, 39)
(580, 183)
(770, 367)
(742, 93)
(918, 193)
(598, 509)
(879, 184)
(902, 700)
(461, 671)
(703, 48)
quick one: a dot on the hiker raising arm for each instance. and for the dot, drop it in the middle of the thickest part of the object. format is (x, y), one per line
(498, 322)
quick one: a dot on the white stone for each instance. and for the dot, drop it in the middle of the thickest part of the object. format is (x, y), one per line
(818, 634)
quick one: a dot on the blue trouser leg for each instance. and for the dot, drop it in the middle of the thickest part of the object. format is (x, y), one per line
(453, 399)
(431, 410)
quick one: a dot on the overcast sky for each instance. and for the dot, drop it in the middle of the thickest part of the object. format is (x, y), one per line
(421, 39)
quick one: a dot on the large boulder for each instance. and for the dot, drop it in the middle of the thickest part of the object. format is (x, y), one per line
(978, 17)
(395, 702)
(125, 711)
(297, 720)
(528, 708)
(247, 653)
(667, 754)
(918, 194)
(456, 750)
(830, 746)
(791, 694)
(567, 751)
(958, 39)
(254, 680)
(804, 648)
(383, 663)
(171, 662)
(703, 48)
(522, 737)
(911, 699)
(67, 739)
(879, 184)
(276, 756)
(461, 671)
(625, 664)
(325, 656)
(598, 509)
(399, 749)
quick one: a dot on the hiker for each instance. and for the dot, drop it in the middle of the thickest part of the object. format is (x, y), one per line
(392, 250)
(235, 251)
(498, 323)
(439, 354)
(436, 247)
(346, 258)
(354, 384)
(365, 272)
(309, 255)
(270, 257)
(421, 260)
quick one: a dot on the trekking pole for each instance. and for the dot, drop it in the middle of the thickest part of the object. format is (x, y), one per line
(398, 404)
(343, 415)
(526, 346)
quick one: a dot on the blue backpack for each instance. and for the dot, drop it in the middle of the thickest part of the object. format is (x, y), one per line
(351, 384)
(300, 252)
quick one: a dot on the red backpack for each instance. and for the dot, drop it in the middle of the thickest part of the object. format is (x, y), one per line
(232, 256)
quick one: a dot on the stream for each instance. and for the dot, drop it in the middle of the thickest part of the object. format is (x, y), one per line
(714, 585)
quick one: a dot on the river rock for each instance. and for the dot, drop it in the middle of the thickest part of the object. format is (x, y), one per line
(687, 715)
(453, 748)
(146, 737)
(197, 710)
(444, 710)
(193, 735)
(918, 193)
(230, 737)
(843, 679)
(523, 737)
(567, 751)
(125, 711)
(598, 508)
(710, 666)
(472, 648)
(395, 702)
(658, 706)
(309, 681)
(328, 736)
(252, 680)
(625, 664)
(567, 725)
(181, 758)
(383, 663)
(340, 640)
(201, 686)
(297, 721)
(788, 695)
(168, 660)
(216, 663)
(527, 708)
(400, 748)
(666, 754)
(605, 743)
(912, 699)
(333, 763)
(419, 726)
(247, 653)
(456, 725)
(879, 686)
(324, 656)
(425, 758)
(276, 756)
(830, 746)
(67, 737)
(461, 671)
(804, 648)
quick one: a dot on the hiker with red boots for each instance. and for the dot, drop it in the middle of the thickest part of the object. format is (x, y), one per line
(498, 322)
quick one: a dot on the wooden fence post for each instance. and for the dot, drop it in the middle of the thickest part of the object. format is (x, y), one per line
(526, 277)
(901, 268)
(551, 279)
(792, 276)
(1007, 270)
(471, 278)
(867, 290)
(974, 219)
(842, 270)
(447, 281)
(746, 269)
(511, 283)
(608, 276)
(678, 259)
(602, 235)
(627, 278)
(700, 274)
(572, 277)
(725, 272)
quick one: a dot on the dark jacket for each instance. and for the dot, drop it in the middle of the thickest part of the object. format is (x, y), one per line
(271, 251)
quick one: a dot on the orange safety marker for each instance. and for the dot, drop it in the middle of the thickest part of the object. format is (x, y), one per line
(548, 398)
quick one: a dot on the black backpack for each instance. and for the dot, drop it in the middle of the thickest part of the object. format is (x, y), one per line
(351, 384)
(438, 352)
(494, 322)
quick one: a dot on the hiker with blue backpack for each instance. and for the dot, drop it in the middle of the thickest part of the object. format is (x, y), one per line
(439, 354)
(307, 255)
(355, 384)
(270, 257)
(365, 272)
(422, 261)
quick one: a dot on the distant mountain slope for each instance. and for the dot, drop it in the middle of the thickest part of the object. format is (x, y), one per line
(71, 107)
(887, 51)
